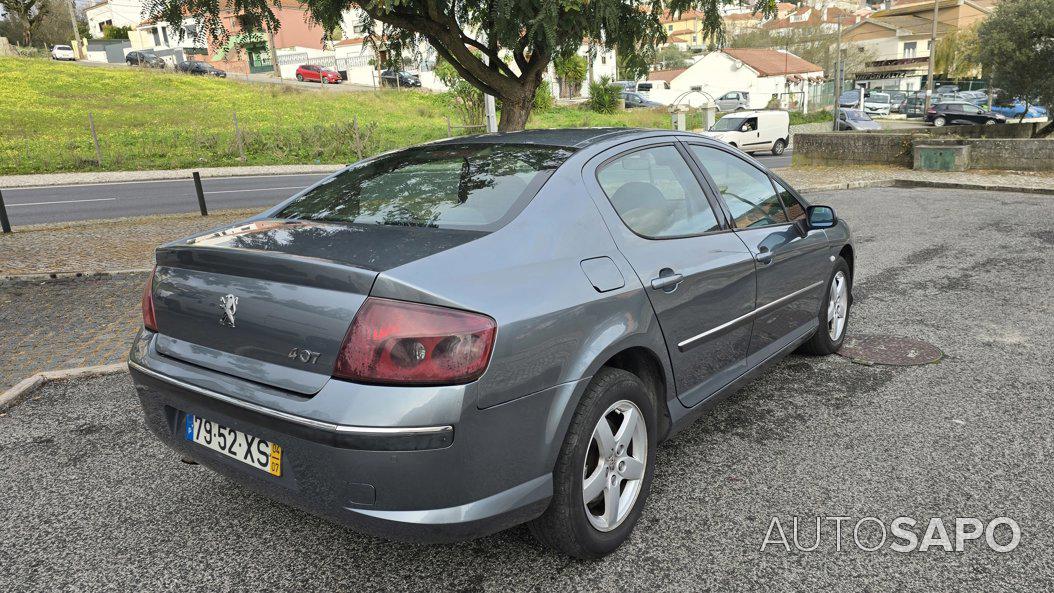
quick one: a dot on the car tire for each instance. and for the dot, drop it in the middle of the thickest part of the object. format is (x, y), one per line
(826, 341)
(300, 78)
(778, 147)
(939, 122)
(569, 525)
(990, 122)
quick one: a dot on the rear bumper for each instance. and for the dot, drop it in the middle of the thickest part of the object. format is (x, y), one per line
(474, 476)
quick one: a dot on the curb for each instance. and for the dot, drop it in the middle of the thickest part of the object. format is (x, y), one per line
(848, 185)
(7, 279)
(24, 388)
(106, 177)
(973, 186)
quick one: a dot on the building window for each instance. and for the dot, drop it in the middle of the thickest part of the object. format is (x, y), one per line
(909, 49)
(157, 37)
(669, 27)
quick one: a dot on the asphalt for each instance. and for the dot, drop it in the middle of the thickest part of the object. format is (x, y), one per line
(65, 203)
(137, 198)
(92, 502)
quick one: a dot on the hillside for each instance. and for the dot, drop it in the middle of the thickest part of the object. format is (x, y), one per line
(161, 120)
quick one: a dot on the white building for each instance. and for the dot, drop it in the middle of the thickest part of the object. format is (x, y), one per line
(760, 72)
(113, 13)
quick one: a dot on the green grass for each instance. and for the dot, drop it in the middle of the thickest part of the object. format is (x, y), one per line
(161, 120)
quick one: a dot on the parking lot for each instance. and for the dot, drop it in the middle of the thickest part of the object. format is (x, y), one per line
(93, 502)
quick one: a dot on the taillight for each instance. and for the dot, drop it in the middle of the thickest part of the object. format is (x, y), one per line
(149, 320)
(396, 342)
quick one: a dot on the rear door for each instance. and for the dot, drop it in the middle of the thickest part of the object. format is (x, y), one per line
(698, 274)
(792, 262)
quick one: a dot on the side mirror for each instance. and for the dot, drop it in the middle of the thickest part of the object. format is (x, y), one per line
(821, 217)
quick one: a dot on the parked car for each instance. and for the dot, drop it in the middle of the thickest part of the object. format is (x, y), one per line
(914, 105)
(314, 73)
(896, 101)
(734, 101)
(753, 131)
(63, 52)
(877, 103)
(645, 87)
(961, 113)
(404, 79)
(1014, 107)
(855, 120)
(946, 89)
(851, 99)
(200, 68)
(633, 100)
(375, 351)
(144, 58)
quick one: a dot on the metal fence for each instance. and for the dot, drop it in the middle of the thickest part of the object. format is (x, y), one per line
(292, 59)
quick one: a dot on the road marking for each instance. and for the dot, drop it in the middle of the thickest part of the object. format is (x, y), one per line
(62, 202)
(178, 180)
(238, 191)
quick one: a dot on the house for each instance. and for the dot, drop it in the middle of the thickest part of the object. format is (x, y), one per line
(116, 13)
(249, 51)
(899, 40)
(811, 19)
(685, 30)
(173, 43)
(761, 72)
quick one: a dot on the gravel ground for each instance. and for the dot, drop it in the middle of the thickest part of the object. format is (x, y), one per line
(93, 503)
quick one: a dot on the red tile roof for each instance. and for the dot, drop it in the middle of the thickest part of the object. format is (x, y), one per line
(665, 75)
(770, 62)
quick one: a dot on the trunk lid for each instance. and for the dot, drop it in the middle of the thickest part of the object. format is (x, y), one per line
(271, 301)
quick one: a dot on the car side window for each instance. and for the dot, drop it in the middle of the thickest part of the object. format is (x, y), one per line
(745, 190)
(730, 96)
(656, 195)
(751, 124)
(795, 209)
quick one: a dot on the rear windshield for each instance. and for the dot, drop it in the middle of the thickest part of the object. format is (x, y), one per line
(466, 186)
(63, 47)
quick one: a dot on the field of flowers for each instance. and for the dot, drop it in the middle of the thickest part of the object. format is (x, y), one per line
(160, 120)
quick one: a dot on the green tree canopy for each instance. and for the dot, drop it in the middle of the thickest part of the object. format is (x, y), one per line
(1017, 49)
(474, 36)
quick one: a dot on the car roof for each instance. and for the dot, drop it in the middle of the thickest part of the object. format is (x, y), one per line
(565, 137)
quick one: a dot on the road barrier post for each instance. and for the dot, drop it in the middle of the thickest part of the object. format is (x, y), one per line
(5, 224)
(95, 139)
(201, 194)
(238, 136)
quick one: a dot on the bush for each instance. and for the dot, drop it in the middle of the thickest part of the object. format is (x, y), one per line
(543, 97)
(604, 97)
(797, 117)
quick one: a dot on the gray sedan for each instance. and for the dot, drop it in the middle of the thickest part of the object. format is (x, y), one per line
(445, 341)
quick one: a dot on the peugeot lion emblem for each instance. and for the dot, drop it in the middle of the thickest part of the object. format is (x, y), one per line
(230, 307)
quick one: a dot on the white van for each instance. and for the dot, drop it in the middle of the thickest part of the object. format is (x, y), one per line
(753, 131)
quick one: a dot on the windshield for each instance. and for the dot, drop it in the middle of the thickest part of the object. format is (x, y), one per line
(728, 124)
(857, 115)
(469, 186)
(878, 98)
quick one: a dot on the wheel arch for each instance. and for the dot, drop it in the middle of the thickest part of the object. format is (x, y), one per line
(648, 367)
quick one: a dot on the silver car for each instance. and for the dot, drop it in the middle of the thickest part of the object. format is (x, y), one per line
(445, 341)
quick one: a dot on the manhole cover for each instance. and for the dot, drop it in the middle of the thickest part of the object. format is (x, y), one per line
(891, 350)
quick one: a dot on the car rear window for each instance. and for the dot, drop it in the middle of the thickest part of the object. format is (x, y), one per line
(463, 186)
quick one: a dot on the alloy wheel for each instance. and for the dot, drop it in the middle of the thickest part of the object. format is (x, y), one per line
(837, 306)
(613, 472)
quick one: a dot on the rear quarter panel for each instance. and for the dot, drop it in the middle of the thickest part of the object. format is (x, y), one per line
(554, 327)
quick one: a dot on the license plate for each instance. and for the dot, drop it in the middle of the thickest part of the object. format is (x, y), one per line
(235, 444)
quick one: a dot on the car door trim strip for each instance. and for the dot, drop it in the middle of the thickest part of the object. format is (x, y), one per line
(310, 422)
(685, 345)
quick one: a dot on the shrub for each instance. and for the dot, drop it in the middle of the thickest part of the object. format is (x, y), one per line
(543, 97)
(604, 97)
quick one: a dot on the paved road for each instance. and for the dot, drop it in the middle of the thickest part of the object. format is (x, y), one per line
(92, 502)
(113, 200)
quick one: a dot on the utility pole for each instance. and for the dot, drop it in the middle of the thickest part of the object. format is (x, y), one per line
(838, 76)
(929, 63)
(76, 31)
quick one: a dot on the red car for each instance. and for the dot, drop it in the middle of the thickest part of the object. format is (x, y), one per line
(312, 73)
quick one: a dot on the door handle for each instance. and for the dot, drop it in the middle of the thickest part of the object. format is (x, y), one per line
(664, 282)
(764, 257)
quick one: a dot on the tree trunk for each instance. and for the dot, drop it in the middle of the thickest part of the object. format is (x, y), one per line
(515, 111)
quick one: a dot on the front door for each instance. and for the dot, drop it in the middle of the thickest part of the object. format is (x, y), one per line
(698, 274)
(792, 261)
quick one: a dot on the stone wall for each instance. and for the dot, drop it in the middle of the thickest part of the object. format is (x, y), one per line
(1009, 147)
